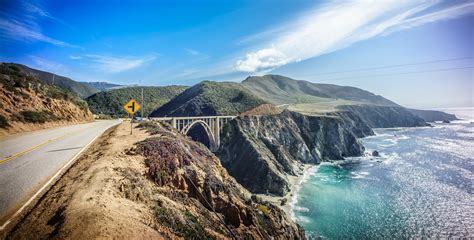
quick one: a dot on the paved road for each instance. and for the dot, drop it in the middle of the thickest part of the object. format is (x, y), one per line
(29, 160)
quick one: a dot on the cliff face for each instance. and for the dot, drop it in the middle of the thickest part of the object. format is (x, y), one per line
(384, 116)
(260, 150)
(196, 181)
(432, 116)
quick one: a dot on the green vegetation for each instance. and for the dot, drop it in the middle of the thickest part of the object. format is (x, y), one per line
(210, 98)
(79, 89)
(183, 223)
(15, 78)
(3, 122)
(36, 117)
(111, 102)
(283, 90)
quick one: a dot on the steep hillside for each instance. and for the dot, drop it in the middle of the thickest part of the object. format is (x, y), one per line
(431, 115)
(155, 185)
(210, 98)
(29, 104)
(111, 102)
(283, 90)
(261, 151)
(82, 90)
(102, 86)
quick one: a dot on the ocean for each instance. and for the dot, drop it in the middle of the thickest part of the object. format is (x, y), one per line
(421, 186)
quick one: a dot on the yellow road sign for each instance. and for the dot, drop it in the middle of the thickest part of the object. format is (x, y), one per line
(132, 106)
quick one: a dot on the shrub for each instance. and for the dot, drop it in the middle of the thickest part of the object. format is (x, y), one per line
(264, 209)
(36, 117)
(3, 122)
(183, 223)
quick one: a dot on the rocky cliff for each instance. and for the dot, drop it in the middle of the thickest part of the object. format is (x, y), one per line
(384, 116)
(260, 150)
(198, 183)
(432, 116)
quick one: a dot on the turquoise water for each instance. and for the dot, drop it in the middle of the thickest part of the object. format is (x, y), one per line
(421, 186)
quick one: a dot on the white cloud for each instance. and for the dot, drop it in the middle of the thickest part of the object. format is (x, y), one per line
(12, 29)
(111, 64)
(192, 51)
(47, 65)
(197, 54)
(21, 25)
(339, 24)
(75, 57)
(263, 59)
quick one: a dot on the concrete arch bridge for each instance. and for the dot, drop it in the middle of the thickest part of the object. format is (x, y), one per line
(213, 126)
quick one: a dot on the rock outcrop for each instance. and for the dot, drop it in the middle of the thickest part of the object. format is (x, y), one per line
(432, 116)
(384, 116)
(260, 150)
(198, 185)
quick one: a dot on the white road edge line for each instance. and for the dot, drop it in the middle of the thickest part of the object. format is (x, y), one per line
(49, 182)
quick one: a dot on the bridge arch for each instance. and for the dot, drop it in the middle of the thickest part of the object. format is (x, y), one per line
(210, 134)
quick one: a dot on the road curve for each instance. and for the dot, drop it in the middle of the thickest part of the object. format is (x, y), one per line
(29, 160)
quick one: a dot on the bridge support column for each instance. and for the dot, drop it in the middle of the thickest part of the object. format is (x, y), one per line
(217, 133)
(173, 123)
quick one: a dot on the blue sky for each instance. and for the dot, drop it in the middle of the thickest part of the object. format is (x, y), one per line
(355, 43)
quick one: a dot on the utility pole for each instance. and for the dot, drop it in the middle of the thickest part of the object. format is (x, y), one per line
(53, 77)
(143, 104)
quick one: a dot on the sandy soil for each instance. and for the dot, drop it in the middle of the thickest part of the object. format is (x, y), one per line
(97, 194)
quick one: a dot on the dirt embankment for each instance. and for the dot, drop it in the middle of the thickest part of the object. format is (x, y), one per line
(179, 190)
(44, 112)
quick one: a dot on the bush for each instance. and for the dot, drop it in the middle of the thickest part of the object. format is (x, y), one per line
(183, 223)
(36, 117)
(3, 122)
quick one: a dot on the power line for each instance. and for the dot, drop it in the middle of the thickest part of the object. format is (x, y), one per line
(402, 73)
(389, 66)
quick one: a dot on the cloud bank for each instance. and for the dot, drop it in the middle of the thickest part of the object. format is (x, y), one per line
(339, 24)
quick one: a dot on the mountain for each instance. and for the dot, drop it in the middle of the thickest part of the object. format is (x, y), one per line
(82, 90)
(432, 116)
(110, 102)
(278, 89)
(29, 104)
(210, 98)
(102, 86)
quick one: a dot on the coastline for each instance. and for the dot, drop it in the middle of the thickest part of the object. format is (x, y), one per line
(292, 196)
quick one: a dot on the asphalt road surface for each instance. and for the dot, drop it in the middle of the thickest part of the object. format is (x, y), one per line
(29, 160)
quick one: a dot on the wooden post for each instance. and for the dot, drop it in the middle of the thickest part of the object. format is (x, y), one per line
(131, 124)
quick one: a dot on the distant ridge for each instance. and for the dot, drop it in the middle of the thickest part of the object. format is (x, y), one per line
(279, 89)
(102, 86)
(82, 90)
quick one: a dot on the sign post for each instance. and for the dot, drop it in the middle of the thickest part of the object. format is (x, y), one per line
(131, 107)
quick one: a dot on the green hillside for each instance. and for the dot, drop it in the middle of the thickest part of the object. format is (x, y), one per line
(210, 98)
(283, 90)
(111, 102)
(82, 90)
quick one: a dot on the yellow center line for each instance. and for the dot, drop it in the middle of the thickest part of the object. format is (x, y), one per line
(19, 154)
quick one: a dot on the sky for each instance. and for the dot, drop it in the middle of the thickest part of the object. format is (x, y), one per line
(416, 53)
